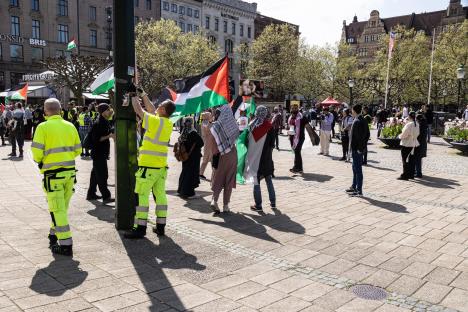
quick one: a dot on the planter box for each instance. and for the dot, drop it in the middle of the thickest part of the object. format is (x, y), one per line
(448, 140)
(463, 147)
(391, 143)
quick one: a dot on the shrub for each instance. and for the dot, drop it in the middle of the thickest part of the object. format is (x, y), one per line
(391, 131)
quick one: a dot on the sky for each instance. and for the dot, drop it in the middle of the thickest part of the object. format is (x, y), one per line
(321, 21)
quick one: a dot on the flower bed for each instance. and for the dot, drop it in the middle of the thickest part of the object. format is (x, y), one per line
(391, 131)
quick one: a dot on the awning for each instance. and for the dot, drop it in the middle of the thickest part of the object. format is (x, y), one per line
(330, 101)
(32, 91)
(90, 96)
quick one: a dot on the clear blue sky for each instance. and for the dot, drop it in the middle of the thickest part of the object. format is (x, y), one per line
(321, 20)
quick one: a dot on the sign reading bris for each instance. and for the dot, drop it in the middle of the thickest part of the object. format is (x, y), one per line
(21, 40)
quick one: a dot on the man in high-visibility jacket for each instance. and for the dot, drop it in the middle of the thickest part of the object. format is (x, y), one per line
(152, 164)
(55, 146)
(84, 120)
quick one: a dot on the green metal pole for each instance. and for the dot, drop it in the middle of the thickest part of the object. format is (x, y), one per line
(125, 127)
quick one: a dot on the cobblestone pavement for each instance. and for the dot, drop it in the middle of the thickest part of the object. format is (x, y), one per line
(409, 238)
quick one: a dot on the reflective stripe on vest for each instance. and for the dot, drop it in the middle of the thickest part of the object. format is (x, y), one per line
(152, 153)
(38, 145)
(157, 137)
(62, 149)
(59, 164)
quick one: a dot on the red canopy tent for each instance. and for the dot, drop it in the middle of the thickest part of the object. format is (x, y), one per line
(330, 102)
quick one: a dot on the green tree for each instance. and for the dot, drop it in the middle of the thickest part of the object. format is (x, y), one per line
(76, 72)
(165, 54)
(273, 57)
(311, 72)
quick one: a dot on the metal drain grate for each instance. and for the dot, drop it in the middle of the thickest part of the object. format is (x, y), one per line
(369, 292)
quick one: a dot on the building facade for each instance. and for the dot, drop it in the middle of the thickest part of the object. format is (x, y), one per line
(364, 37)
(262, 21)
(34, 30)
(185, 13)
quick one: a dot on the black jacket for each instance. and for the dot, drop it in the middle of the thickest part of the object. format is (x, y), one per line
(100, 129)
(360, 134)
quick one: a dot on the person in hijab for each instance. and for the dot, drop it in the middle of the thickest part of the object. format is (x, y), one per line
(297, 123)
(189, 178)
(259, 160)
(409, 143)
(223, 133)
(207, 148)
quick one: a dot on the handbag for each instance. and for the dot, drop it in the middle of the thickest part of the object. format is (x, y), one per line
(180, 152)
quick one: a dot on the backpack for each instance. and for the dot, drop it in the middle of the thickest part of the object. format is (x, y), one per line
(180, 152)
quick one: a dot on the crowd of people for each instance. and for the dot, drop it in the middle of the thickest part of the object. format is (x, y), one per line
(235, 148)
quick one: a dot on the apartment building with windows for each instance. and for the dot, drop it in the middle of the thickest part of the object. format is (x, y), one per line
(185, 13)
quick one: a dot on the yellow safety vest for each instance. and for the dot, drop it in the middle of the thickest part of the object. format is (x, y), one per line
(56, 144)
(153, 152)
(81, 119)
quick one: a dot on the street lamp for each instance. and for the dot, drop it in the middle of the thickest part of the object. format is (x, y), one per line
(460, 77)
(444, 93)
(351, 86)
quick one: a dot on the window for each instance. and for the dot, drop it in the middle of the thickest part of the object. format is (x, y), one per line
(181, 10)
(241, 30)
(174, 8)
(212, 39)
(93, 38)
(196, 13)
(196, 28)
(36, 29)
(36, 55)
(228, 46)
(16, 52)
(249, 32)
(216, 24)
(189, 12)
(62, 9)
(207, 22)
(58, 53)
(92, 13)
(109, 40)
(136, 3)
(225, 26)
(35, 5)
(148, 5)
(14, 3)
(350, 40)
(373, 23)
(182, 26)
(233, 28)
(166, 6)
(16, 78)
(366, 38)
(15, 26)
(62, 33)
(189, 27)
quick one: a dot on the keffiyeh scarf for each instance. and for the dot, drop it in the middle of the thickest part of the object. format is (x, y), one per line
(225, 130)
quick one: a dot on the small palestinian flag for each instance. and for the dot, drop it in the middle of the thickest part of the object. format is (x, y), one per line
(204, 91)
(243, 103)
(71, 45)
(17, 94)
(104, 82)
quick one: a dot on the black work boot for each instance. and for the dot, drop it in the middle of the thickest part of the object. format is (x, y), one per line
(159, 229)
(52, 240)
(62, 250)
(136, 233)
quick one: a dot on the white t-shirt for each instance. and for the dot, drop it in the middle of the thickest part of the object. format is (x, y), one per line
(242, 122)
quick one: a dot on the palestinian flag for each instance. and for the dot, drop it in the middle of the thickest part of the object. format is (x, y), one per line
(71, 45)
(17, 94)
(166, 94)
(104, 82)
(201, 92)
(243, 103)
(249, 152)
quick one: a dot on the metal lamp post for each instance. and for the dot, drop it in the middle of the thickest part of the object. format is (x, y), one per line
(460, 77)
(351, 86)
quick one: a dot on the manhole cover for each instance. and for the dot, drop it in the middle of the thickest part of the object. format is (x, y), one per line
(369, 292)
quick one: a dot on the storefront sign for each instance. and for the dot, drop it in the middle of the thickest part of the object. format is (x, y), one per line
(38, 77)
(21, 40)
(229, 16)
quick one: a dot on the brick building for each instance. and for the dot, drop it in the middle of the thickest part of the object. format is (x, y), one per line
(364, 37)
(34, 30)
(262, 21)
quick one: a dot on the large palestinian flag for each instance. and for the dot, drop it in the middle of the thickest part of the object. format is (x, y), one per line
(201, 92)
(104, 82)
(249, 152)
(16, 94)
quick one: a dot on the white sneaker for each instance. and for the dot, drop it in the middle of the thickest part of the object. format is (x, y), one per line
(214, 206)
(226, 209)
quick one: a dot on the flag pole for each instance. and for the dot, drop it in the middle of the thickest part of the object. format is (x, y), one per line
(432, 64)
(386, 84)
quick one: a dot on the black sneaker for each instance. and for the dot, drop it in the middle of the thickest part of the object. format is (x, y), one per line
(256, 209)
(62, 250)
(351, 190)
(159, 229)
(12, 154)
(52, 240)
(356, 194)
(93, 197)
(136, 233)
(402, 178)
(108, 200)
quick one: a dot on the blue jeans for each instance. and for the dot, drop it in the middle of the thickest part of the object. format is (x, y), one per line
(357, 171)
(429, 130)
(258, 193)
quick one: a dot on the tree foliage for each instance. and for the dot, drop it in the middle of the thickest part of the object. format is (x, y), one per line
(165, 54)
(273, 58)
(76, 72)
